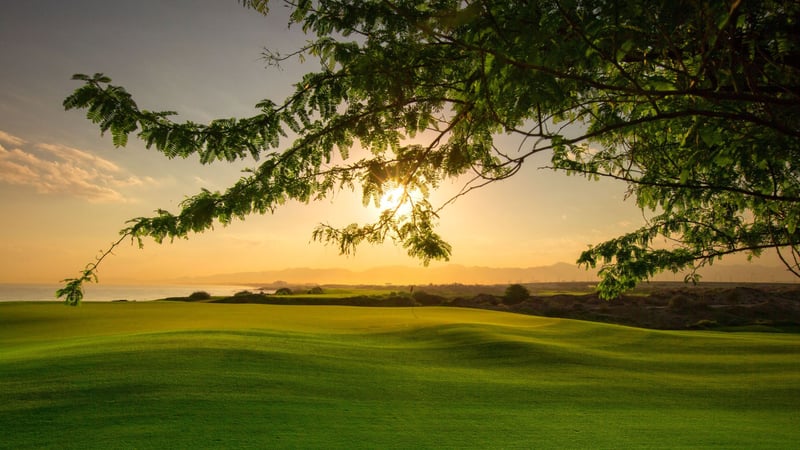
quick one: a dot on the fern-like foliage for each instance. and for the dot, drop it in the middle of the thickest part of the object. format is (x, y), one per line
(694, 105)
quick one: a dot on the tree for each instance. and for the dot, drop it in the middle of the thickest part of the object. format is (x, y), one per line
(199, 295)
(693, 104)
(516, 293)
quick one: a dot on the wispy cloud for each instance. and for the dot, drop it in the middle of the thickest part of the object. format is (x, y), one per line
(9, 139)
(59, 169)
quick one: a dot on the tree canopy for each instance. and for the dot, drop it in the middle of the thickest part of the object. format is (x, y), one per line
(693, 104)
(516, 293)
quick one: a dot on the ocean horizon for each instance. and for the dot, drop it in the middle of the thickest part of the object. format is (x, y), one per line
(114, 292)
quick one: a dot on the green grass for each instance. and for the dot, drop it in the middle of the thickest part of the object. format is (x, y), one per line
(341, 292)
(184, 375)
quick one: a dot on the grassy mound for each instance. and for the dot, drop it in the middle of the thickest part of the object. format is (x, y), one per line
(202, 375)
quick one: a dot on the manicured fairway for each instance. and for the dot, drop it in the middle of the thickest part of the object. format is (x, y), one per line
(183, 375)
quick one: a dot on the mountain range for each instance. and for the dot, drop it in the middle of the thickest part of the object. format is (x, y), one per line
(453, 273)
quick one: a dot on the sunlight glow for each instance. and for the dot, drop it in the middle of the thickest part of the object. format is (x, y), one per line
(400, 199)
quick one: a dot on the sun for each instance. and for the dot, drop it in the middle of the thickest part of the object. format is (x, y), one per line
(400, 200)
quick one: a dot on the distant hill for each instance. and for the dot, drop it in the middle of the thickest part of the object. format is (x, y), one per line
(453, 273)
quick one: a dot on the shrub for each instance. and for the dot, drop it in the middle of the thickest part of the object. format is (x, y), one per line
(686, 303)
(283, 291)
(199, 295)
(316, 290)
(516, 293)
(426, 299)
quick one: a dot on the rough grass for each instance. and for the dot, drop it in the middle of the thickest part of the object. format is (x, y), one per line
(184, 375)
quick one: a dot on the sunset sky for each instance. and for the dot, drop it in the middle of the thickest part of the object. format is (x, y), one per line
(65, 191)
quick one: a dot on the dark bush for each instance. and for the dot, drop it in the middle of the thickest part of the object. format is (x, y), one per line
(199, 295)
(516, 293)
(316, 290)
(686, 303)
(425, 299)
(679, 301)
(283, 291)
(244, 298)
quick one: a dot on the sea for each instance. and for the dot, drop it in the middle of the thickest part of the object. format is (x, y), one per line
(114, 292)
